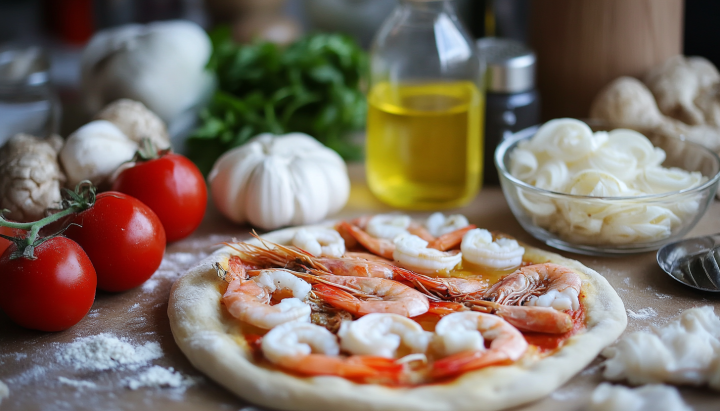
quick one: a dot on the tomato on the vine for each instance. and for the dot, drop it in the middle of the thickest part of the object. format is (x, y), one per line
(51, 292)
(173, 187)
(123, 237)
(4, 244)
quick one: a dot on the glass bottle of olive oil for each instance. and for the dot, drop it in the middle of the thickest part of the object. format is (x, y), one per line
(424, 126)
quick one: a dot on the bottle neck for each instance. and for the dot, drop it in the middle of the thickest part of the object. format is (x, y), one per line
(434, 7)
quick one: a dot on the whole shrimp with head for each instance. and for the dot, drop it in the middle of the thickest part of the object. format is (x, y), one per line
(362, 295)
(312, 350)
(460, 294)
(541, 285)
(451, 289)
(275, 255)
(535, 298)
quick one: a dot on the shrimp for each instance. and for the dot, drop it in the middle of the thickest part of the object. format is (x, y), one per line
(528, 318)
(437, 224)
(411, 252)
(461, 337)
(249, 300)
(420, 231)
(378, 246)
(357, 255)
(450, 240)
(382, 335)
(319, 242)
(446, 289)
(479, 247)
(388, 226)
(275, 255)
(310, 349)
(542, 285)
(362, 295)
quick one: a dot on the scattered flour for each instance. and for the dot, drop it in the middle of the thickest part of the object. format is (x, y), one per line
(150, 285)
(4, 391)
(77, 383)
(134, 307)
(658, 397)
(186, 258)
(662, 296)
(105, 351)
(157, 377)
(642, 314)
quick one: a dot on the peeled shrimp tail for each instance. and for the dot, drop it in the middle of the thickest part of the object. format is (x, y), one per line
(420, 231)
(376, 295)
(443, 308)
(535, 319)
(378, 246)
(466, 361)
(274, 255)
(354, 367)
(450, 240)
(445, 289)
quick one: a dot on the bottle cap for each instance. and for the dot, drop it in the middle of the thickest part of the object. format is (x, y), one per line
(510, 65)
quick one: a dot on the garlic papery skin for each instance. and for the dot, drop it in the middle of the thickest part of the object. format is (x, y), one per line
(274, 181)
(94, 151)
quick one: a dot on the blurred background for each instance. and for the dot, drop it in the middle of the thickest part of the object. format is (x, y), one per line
(63, 27)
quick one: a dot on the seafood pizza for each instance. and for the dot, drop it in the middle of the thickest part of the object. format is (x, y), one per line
(387, 313)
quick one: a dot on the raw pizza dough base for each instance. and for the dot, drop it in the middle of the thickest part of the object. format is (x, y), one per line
(212, 341)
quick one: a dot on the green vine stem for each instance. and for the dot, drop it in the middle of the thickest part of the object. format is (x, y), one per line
(147, 151)
(75, 201)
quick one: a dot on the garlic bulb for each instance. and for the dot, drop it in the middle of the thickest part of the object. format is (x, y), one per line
(274, 181)
(94, 151)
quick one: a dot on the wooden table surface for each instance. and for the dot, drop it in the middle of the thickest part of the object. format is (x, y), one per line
(29, 368)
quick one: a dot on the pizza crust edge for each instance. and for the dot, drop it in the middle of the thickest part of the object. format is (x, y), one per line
(205, 334)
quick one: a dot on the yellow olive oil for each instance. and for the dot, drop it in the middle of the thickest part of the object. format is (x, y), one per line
(424, 144)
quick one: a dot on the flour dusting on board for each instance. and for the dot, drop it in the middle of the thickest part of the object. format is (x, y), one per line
(77, 383)
(105, 351)
(642, 314)
(4, 391)
(172, 266)
(158, 377)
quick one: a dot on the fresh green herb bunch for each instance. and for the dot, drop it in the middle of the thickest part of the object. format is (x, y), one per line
(312, 86)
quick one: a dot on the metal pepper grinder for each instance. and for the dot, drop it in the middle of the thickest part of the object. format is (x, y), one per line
(512, 103)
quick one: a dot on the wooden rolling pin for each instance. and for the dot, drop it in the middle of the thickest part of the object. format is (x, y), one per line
(582, 45)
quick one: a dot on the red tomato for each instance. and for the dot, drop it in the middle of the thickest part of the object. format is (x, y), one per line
(4, 244)
(123, 238)
(173, 187)
(10, 232)
(54, 291)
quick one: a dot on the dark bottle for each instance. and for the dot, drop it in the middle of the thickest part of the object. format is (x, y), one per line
(512, 103)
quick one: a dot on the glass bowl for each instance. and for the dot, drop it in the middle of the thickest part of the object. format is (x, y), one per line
(615, 225)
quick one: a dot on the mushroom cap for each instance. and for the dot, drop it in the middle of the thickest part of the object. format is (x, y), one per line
(136, 121)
